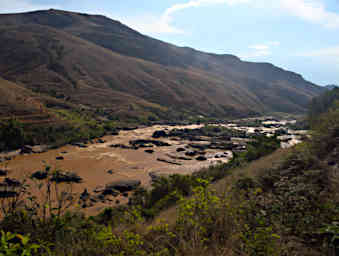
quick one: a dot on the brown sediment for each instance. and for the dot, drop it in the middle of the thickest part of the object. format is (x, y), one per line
(93, 163)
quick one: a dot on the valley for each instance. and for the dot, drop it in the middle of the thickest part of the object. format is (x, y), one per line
(116, 143)
(145, 154)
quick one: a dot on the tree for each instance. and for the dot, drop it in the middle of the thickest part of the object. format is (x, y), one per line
(12, 135)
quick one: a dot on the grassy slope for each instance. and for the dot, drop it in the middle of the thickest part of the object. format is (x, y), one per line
(252, 170)
(45, 119)
(156, 72)
(87, 74)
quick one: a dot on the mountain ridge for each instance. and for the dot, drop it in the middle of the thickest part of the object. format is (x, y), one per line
(141, 69)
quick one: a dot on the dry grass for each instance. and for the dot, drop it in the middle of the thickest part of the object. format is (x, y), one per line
(98, 62)
(252, 170)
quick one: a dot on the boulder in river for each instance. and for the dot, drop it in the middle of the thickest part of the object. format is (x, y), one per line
(147, 143)
(68, 177)
(159, 134)
(184, 158)
(149, 151)
(12, 182)
(128, 128)
(99, 189)
(80, 145)
(115, 132)
(39, 149)
(191, 153)
(122, 186)
(39, 175)
(201, 158)
(3, 172)
(121, 146)
(85, 195)
(199, 146)
(27, 149)
(7, 193)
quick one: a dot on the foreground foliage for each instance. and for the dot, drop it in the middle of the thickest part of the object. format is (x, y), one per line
(291, 208)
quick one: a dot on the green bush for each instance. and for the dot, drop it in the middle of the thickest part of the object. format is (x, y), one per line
(12, 135)
(17, 245)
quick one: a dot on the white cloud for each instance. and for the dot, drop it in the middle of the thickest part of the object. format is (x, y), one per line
(313, 11)
(162, 24)
(147, 24)
(167, 16)
(260, 50)
(259, 47)
(13, 6)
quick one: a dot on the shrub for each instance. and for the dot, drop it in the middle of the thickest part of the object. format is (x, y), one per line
(16, 245)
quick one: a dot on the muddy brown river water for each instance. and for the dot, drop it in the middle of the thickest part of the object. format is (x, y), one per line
(93, 163)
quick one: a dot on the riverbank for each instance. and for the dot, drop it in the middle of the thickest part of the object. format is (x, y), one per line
(140, 155)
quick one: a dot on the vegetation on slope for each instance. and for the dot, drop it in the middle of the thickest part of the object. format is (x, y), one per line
(100, 63)
(323, 103)
(286, 208)
(53, 231)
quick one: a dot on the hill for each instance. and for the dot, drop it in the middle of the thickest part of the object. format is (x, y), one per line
(331, 86)
(103, 64)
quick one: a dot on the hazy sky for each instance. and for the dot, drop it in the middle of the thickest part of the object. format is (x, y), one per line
(298, 35)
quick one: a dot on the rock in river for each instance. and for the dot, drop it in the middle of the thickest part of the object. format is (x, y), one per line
(201, 158)
(158, 134)
(147, 143)
(39, 175)
(149, 151)
(3, 172)
(122, 186)
(69, 177)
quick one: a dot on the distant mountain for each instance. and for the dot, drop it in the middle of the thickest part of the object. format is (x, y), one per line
(331, 86)
(102, 64)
